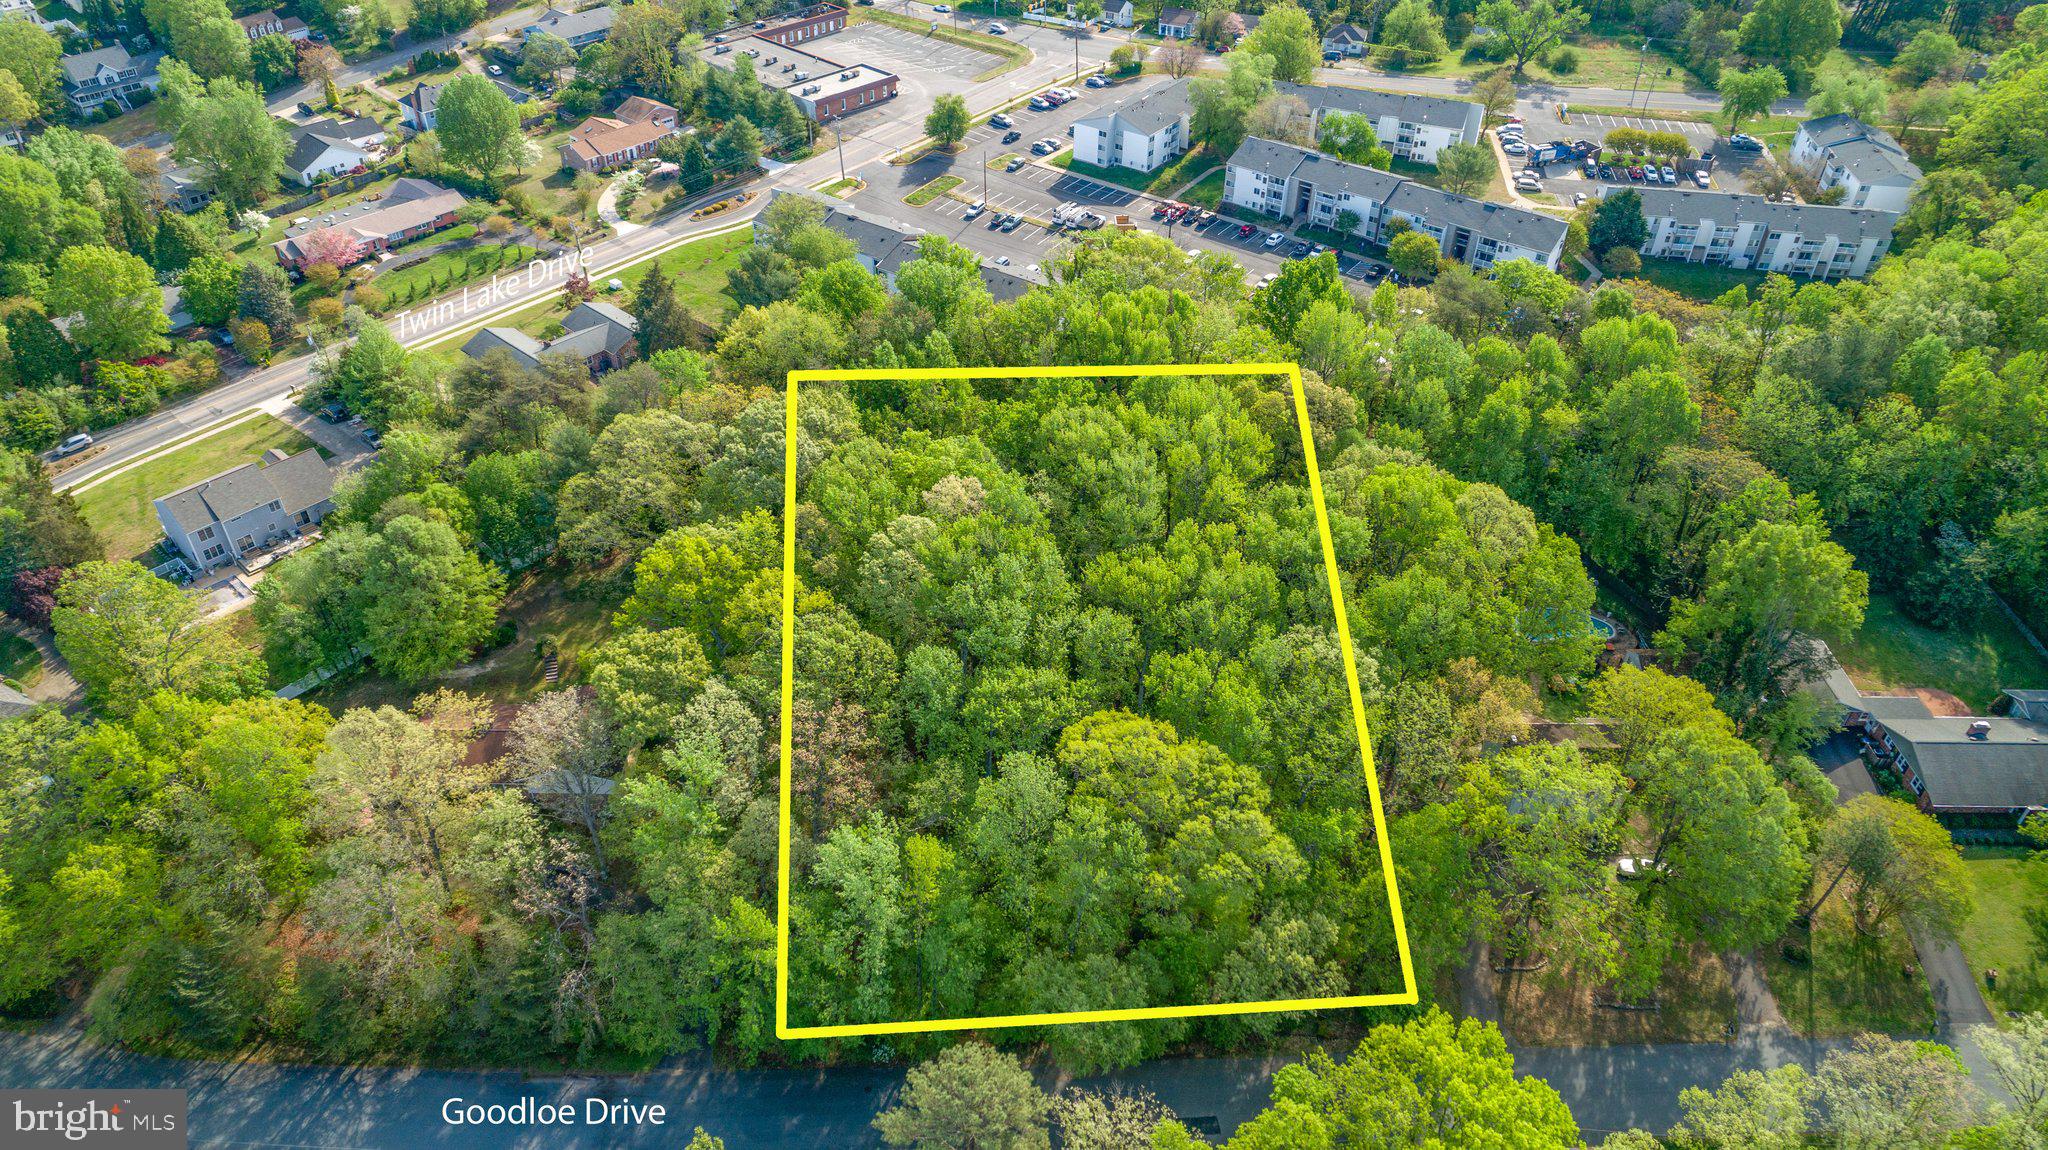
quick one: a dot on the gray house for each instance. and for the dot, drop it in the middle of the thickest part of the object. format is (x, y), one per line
(216, 521)
(599, 334)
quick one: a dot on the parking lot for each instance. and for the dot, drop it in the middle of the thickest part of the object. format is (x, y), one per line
(907, 54)
(1543, 125)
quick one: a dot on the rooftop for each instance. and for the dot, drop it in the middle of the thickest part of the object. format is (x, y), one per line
(1433, 111)
(297, 481)
(1146, 113)
(1729, 209)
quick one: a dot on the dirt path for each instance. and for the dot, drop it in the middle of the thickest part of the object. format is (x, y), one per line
(56, 686)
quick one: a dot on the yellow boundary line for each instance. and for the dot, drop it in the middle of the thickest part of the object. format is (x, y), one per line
(1406, 997)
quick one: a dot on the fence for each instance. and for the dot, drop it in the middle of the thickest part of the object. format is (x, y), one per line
(329, 190)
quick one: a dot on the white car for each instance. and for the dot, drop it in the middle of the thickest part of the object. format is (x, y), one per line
(495, 70)
(974, 209)
(1670, 175)
(1275, 239)
(1700, 178)
(74, 445)
(1515, 148)
(1578, 198)
(942, 9)
(998, 28)
(1001, 120)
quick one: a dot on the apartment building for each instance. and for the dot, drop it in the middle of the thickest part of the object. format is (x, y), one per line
(1296, 184)
(1144, 132)
(1741, 231)
(1413, 127)
(1867, 163)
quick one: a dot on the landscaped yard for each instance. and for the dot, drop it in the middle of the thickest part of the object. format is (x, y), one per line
(1159, 183)
(1997, 936)
(1893, 652)
(1565, 1008)
(1853, 983)
(249, 244)
(1207, 191)
(447, 270)
(119, 508)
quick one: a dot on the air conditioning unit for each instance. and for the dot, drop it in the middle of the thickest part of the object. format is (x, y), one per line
(849, 75)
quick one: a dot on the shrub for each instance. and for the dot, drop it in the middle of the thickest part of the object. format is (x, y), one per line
(1621, 262)
(1564, 61)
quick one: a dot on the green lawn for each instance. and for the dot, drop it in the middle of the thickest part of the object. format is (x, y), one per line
(1207, 191)
(445, 271)
(1602, 64)
(20, 661)
(1997, 936)
(921, 196)
(1893, 652)
(843, 188)
(1853, 984)
(1696, 281)
(248, 243)
(120, 509)
(700, 267)
(1160, 183)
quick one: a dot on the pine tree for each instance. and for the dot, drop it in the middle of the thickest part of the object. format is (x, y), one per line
(664, 321)
(42, 356)
(266, 296)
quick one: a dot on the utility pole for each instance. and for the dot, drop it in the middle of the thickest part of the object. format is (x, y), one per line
(839, 140)
(984, 175)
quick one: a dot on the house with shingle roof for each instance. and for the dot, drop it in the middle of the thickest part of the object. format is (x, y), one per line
(1178, 23)
(599, 334)
(332, 146)
(248, 508)
(1293, 183)
(416, 109)
(1144, 132)
(410, 209)
(1346, 40)
(106, 75)
(1867, 163)
(580, 29)
(630, 133)
(1742, 231)
(1412, 126)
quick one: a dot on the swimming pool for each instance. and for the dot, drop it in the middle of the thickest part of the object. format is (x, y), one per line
(1603, 628)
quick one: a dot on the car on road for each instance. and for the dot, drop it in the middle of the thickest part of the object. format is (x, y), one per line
(1001, 120)
(73, 445)
(1744, 142)
(998, 28)
(942, 9)
(1012, 136)
(495, 70)
(1699, 177)
(1015, 163)
(1246, 231)
(1275, 239)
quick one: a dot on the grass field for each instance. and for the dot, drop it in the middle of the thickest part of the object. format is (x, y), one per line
(1207, 191)
(1602, 64)
(1853, 983)
(1997, 936)
(1974, 665)
(1696, 281)
(120, 508)
(1159, 183)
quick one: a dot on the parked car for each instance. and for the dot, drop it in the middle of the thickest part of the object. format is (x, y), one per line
(1015, 163)
(373, 437)
(1039, 104)
(1578, 198)
(1001, 120)
(74, 445)
(1592, 167)
(1744, 142)
(495, 70)
(974, 209)
(1246, 231)
(1268, 278)
(1669, 173)
(1699, 177)
(942, 9)
(1012, 136)
(1011, 221)
(1373, 271)
(1606, 171)
(1097, 82)
(1275, 239)
(1515, 148)
(1297, 251)
(1636, 174)
(334, 413)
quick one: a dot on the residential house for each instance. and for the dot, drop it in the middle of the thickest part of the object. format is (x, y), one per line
(416, 108)
(599, 334)
(1238, 25)
(257, 25)
(1741, 231)
(629, 134)
(1346, 40)
(27, 10)
(883, 245)
(331, 147)
(1304, 186)
(1865, 162)
(1178, 23)
(580, 29)
(1144, 132)
(409, 210)
(1413, 127)
(108, 75)
(247, 508)
(1119, 14)
(183, 189)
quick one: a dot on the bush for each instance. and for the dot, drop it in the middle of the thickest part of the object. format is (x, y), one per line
(323, 277)
(1621, 262)
(1564, 61)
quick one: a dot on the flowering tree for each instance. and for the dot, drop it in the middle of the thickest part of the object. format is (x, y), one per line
(328, 246)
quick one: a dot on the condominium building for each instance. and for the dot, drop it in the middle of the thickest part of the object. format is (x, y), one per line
(1144, 132)
(1867, 163)
(1741, 231)
(1413, 127)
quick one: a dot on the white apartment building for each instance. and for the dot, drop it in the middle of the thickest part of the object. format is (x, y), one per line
(1144, 132)
(1412, 127)
(1741, 231)
(1294, 183)
(1865, 162)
